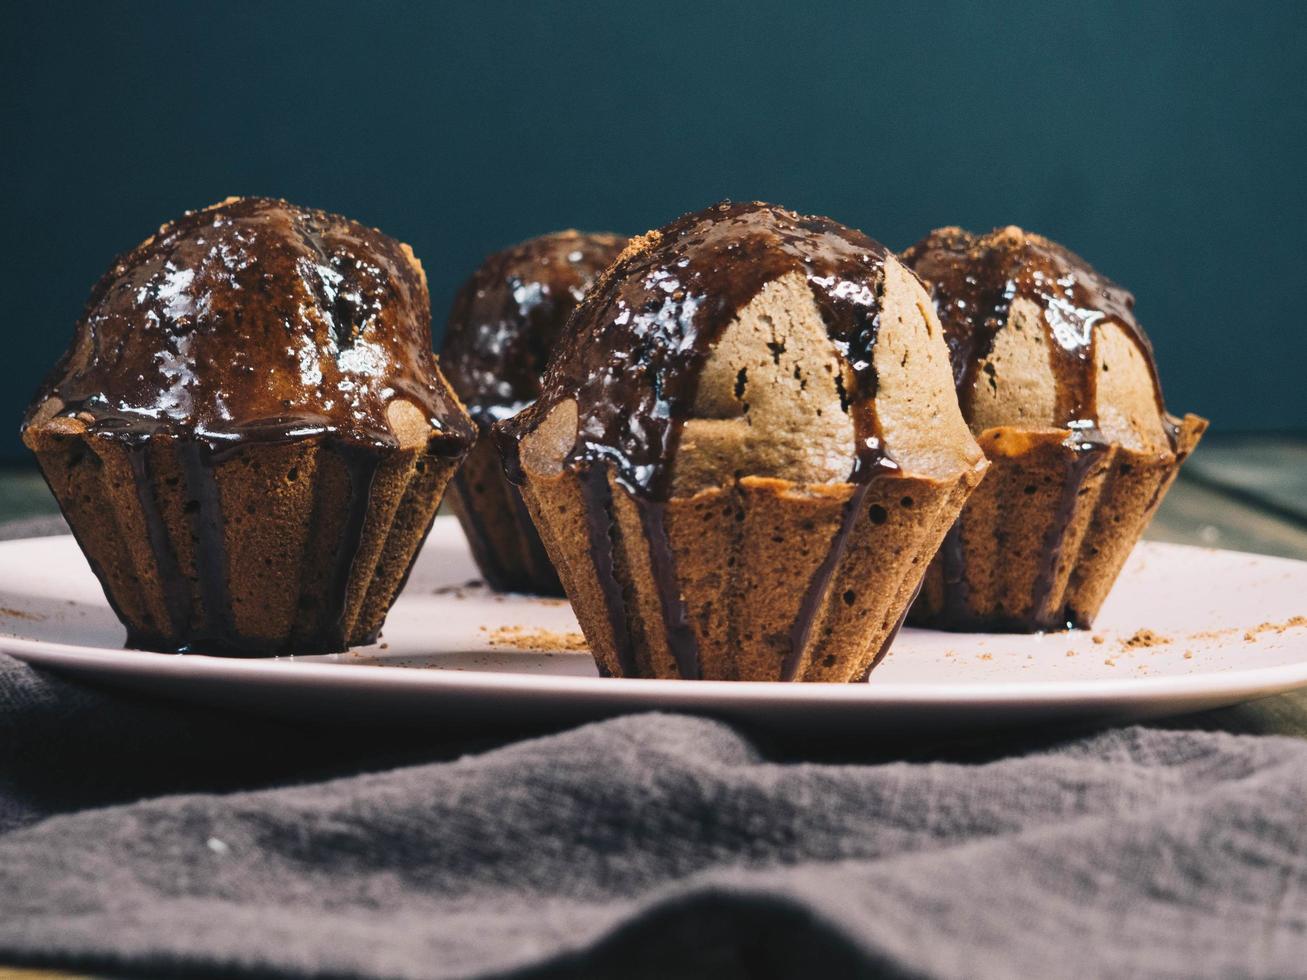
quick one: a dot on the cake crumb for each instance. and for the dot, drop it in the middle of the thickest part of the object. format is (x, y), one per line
(526, 638)
(1189, 655)
(1110, 662)
(1142, 639)
(1098, 638)
(986, 656)
(1070, 653)
(1292, 622)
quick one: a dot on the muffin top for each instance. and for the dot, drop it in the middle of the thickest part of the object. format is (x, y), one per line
(258, 319)
(508, 314)
(746, 340)
(1039, 339)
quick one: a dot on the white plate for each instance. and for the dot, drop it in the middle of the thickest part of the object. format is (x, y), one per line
(1227, 627)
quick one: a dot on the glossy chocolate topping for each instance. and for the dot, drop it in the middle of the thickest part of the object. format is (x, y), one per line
(632, 357)
(257, 319)
(636, 345)
(507, 316)
(974, 281)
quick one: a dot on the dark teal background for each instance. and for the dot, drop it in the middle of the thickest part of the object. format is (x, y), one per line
(1165, 142)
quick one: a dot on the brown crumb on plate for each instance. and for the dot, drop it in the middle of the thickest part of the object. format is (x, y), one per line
(1142, 639)
(526, 638)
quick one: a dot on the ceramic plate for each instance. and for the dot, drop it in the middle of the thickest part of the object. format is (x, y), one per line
(1184, 629)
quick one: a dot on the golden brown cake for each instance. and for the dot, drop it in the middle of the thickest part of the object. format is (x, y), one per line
(1057, 382)
(249, 435)
(501, 331)
(745, 450)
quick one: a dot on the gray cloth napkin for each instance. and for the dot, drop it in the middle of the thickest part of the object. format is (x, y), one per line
(653, 845)
(148, 838)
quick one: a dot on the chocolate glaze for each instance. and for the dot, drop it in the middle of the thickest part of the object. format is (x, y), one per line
(676, 617)
(176, 589)
(507, 316)
(819, 585)
(634, 350)
(361, 463)
(207, 528)
(632, 355)
(502, 328)
(598, 496)
(974, 281)
(1088, 454)
(957, 593)
(253, 321)
(257, 319)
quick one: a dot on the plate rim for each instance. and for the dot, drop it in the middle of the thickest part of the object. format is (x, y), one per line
(1238, 684)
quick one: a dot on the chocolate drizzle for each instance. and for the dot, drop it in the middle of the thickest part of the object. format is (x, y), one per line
(599, 525)
(819, 585)
(957, 593)
(507, 316)
(632, 356)
(176, 588)
(676, 618)
(198, 460)
(205, 507)
(361, 464)
(502, 328)
(1084, 457)
(974, 281)
(254, 322)
(256, 319)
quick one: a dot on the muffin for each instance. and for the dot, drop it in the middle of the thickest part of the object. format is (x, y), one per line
(501, 331)
(745, 450)
(1058, 383)
(249, 435)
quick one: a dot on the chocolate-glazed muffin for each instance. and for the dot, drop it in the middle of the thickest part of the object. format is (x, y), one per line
(746, 449)
(249, 435)
(501, 331)
(1057, 381)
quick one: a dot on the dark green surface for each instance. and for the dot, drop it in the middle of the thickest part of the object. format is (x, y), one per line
(1163, 140)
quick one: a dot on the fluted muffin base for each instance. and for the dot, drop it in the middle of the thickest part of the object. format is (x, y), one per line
(499, 530)
(1041, 542)
(763, 580)
(297, 546)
